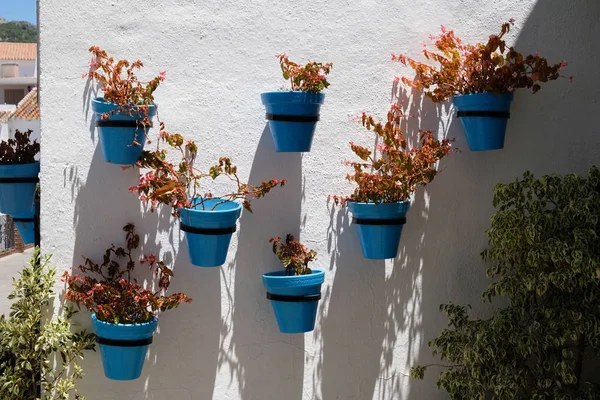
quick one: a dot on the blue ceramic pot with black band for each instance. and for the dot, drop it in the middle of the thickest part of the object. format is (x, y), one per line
(484, 117)
(123, 347)
(292, 118)
(379, 227)
(295, 299)
(208, 229)
(122, 136)
(18, 183)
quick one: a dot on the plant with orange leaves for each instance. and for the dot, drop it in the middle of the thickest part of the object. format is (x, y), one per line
(108, 289)
(493, 67)
(179, 184)
(311, 77)
(293, 255)
(120, 84)
(398, 170)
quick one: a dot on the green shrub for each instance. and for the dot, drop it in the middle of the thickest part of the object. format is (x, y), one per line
(544, 249)
(38, 351)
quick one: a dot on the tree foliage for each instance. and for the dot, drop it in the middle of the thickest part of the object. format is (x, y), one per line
(18, 32)
(544, 248)
(38, 352)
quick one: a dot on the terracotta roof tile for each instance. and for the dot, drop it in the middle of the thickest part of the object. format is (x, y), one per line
(18, 51)
(4, 115)
(28, 107)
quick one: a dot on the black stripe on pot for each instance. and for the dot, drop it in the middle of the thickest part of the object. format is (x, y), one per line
(23, 219)
(365, 221)
(32, 179)
(207, 231)
(124, 343)
(292, 118)
(294, 299)
(491, 114)
(121, 124)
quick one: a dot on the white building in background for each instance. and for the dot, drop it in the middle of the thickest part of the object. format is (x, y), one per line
(25, 116)
(18, 99)
(18, 72)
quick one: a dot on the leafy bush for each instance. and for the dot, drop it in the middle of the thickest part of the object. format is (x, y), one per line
(293, 255)
(111, 292)
(544, 246)
(19, 150)
(30, 340)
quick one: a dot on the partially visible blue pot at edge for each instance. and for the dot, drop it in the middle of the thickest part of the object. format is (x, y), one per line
(292, 118)
(26, 228)
(208, 232)
(122, 359)
(119, 132)
(295, 299)
(17, 198)
(379, 227)
(484, 117)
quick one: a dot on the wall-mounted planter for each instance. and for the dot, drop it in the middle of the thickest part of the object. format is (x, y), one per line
(123, 347)
(379, 227)
(295, 299)
(26, 227)
(484, 117)
(18, 184)
(208, 232)
(119, 132)
(292, 118)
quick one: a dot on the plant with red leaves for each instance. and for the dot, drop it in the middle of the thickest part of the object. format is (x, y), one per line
(492, 67)
(178, 185)
(293, 255)
(396, 173)
(108, 289)
(121, 86)
(309, 78)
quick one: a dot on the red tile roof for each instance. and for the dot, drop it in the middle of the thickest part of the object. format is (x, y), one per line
(28, 107)
(18, 51)
(4, 115)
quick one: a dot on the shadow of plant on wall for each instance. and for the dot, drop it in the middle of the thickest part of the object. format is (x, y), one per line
(375, 307)
(102, 205)
(264, 362)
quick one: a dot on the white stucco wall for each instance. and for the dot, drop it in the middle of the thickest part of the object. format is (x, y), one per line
(375, 318)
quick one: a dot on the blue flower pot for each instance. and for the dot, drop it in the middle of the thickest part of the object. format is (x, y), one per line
(484, 117)
(26, 228)
(123, 360)
(292, 118)
(16, 199)
(295, 299)
(379, 227)
(119, 131)
(208, 232)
